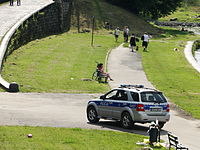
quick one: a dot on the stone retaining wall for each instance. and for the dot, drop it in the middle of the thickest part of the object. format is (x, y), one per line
(45, 22)
(174, 23)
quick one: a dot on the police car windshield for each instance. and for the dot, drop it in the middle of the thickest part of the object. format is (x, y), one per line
(156, 97)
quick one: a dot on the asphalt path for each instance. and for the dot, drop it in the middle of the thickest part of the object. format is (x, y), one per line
(54, 110)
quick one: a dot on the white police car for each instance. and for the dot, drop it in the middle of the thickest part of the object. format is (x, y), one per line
(130, 104)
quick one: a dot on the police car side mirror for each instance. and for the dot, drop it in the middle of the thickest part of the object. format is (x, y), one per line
(102, 97)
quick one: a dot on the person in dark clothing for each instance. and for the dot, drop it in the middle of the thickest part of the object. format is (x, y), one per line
(126, 33)
(133, 42)
(18, 2)
(153, 133)
(11, 2)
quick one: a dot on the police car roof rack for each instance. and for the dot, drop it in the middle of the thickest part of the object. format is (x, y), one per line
(151, 89)
(131, 86)
(137, 86)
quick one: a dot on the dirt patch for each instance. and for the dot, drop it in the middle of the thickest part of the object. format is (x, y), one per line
(181, 112)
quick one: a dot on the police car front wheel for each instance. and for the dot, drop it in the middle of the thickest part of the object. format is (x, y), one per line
(92, 115)
(127, 121)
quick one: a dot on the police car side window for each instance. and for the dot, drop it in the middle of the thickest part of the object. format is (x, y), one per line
(121, 95)
(135, 96)
(111, 95)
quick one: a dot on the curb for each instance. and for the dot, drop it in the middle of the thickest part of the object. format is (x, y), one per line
(106, 60)
(189, 56)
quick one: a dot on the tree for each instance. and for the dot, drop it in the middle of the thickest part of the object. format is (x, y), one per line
(149, 8)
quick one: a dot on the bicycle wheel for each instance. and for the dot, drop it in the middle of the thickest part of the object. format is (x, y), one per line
(94, 75)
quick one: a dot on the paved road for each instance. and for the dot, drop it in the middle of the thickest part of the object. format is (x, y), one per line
(54, 110)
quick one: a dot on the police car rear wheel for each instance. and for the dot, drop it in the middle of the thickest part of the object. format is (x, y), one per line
(127, 121)
(92, 115)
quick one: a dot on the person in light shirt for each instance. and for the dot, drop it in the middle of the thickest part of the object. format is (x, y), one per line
(126, 33)
(116, 33)
(145, 38)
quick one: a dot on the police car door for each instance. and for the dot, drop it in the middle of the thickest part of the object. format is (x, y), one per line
(120, 102)
(106, 105)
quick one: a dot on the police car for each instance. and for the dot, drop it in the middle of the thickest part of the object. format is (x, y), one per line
(130, 104)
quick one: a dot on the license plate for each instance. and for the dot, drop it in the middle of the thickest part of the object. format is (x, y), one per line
(155, 109)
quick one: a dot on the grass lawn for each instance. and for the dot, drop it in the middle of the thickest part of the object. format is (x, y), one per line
(58, 63)
(170, 72)
(44, 138)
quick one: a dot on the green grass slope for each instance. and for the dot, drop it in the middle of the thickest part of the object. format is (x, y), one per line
(105, 12)
(59, 63)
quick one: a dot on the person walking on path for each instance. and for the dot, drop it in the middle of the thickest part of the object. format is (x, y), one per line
(18, 2)
(133, 41)
(126, 33)
(11, 2)
(145, 38)
(116, 33)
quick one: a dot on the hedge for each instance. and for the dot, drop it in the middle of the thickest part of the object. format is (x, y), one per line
(2, 1)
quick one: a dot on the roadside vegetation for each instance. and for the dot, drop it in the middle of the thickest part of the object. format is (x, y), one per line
(3, 1)
(59, 63)
(190, 12)
(15, 138)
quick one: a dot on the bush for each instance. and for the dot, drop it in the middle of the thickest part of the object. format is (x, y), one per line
(2, 1)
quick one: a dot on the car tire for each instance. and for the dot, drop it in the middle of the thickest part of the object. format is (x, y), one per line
(126, 121)
(161, 124)
(92, 115)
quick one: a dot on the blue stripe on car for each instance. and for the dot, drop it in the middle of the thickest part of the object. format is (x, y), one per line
(126, 104)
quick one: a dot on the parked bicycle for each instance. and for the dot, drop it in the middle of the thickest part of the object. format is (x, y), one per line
(97, 75)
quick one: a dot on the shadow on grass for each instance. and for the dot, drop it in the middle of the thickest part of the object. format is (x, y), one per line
(166, 32)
